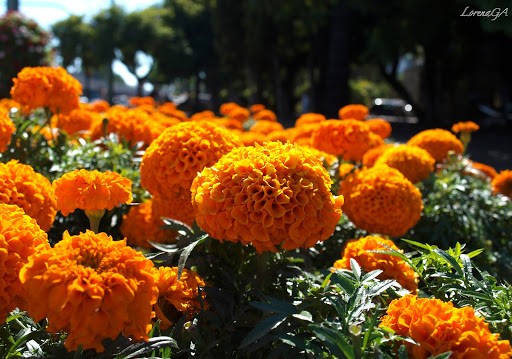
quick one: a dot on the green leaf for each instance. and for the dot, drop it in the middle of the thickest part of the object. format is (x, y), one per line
(356, 268)
(263, 328)
(402, 352)
(186, 252)
(372, 275)
(275, 306)
(452, 261)
(137, 349)
(418, 244)
(176, 225)
(442, 356)
(335, 341)
(304, 315)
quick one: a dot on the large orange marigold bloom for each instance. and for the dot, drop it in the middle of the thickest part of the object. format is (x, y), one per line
(381, 200)
(7, 104)
(46, 87)
(437, 142)
(265, 115)
(239, 114)
(413, 162)
(78, 120)
(175, 205)
(177, 298)
(167, 108)
(356, 112)
(20, 237)
(22, 186)
(226, 108)
(379, 127)
(348, 138)
(98, 106)
(325, 157)
(438, 327)
(392, 266)
(181, 151)
(91, 191)
(256, 108)
(309, 118)
(141, 101)
(266, 127)
(268, 197)
(249, 138)
(92, 288)
(486, 169)
(502, 183)
(468, 126)
(371, 156)
(202, 115)
(6, 130)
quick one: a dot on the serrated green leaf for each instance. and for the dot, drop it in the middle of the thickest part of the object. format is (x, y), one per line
(335, 341)
(304, 315)
(356, 268)
(176, 225)
(452, 261)
(262, 328)
(442, 356)
(186, 253)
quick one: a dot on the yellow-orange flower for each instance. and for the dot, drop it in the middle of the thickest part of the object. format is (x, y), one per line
(177, 298)
(20, 237)
(345, 169)
(92, 288)
(438, 327)
(226, 108)
(309, 118)
(175, 205)
(468, 126)
(46, 87)
(91, 191)
(249, 138)
(239, 114)
(256, 108)
(381, 200)
(266, 127)
(392, 266)
(163, 121)
(265, 115)
(78, 120)
(379, 127)
(437, 142)
(22, 186)
(202, 116)
(167, 108)
(181, 151)
(373, 154)
(226, 122)
(98, 106)
(348, 138)
(140, 101)
(487, 170)
(413, 162)
(7, 104)
(6, 130)
(277, 195)
(356, 112)
(321, 155)
(502, 183)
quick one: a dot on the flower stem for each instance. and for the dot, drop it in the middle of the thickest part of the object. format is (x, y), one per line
(95, 218)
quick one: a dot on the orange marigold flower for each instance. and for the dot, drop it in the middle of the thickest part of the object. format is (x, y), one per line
(226, 122)
(468, 126)
(321, 155)
(181, 151)
(175, 205)
(46, 87)
(20, 237)
(226, 108)
(140, 101)
(91, 191)
(177, 298)
(373, 154)
(6, 130)
(202, 115)
(7, 104)
(167, 108)
(265, 115)
(239, 114)
(379, 127)
(33, 192)
(163, 121)
(78, 120)
(348, 138)
(98, 106)
(92, 288)
(277, 195)
(309, 118)
(345, 169)
(413, 162)
(281, 135)
(180, 115)
(392, 266)
(437, 142)
(381, 200)
(266, 127)
(356, 112)
(249, 138)
(438, 327)
(131, 125)
(487, 170)
(502, 183)
(256, 108)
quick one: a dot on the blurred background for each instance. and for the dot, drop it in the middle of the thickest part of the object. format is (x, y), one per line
(422, 63)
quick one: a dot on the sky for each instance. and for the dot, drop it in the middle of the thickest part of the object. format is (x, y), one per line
(46, 13)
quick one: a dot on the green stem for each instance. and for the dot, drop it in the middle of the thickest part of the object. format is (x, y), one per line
(95, 218)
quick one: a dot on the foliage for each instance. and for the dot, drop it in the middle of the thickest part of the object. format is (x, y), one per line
(364, 91)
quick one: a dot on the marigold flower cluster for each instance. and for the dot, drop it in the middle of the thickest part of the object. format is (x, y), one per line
(249, 138)
(348, 138)
(267, 197)
(78, 120)
(91, 191)
(19, 237)
(256, 108)
(381, 200)
(266, 127)
(6, 104)
(46, 87)
(239, 114)
(92, 288)
(265, 115)
(438, 327)
(413, 162)
(175, 205)
(437, 142)
(373, 154)
(167, 108)
(379, 127)
(99, 106)
(393, 267)
(321, 155)
(487, 170)
(181, 151)
(6, 130)
(502, 183)
(177, 298)
(344, 169)
(309, 118)
(468, 126)
(141, 101)
(33, 192)
(203, 115)
(356, 112)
